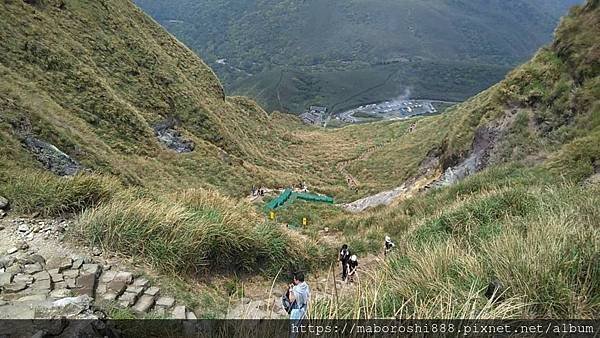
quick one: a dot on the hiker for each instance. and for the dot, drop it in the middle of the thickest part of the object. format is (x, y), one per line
(387, 245)
(352, 267)
(344, 257)
(299, 296)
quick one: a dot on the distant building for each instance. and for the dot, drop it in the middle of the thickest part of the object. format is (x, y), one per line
(317, 109)
(314, 115)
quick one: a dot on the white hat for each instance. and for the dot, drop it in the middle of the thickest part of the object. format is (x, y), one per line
(388, 239)
(353, 258)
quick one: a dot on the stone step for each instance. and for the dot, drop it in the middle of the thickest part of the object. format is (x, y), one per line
(179, 312)
(144, 304)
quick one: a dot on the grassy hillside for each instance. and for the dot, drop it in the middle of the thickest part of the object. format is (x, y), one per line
(531, 224)
(289, 54)
(98, 82)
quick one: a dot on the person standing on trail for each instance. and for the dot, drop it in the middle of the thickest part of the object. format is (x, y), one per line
(352, 268)
(387, 245)
(344, 257)
(299, 296)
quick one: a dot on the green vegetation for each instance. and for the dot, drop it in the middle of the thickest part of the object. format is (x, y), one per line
(194, 230)
(529, 219)
(290, 54)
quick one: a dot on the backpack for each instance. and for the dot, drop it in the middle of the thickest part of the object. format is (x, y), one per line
(344, 255)
(287, 304)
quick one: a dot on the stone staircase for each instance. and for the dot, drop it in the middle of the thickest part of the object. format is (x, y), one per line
(26, 279)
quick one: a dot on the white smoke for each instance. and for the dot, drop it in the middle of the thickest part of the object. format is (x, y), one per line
(404, 97)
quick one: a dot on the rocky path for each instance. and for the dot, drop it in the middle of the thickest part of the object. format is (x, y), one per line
(262, 298)
(41, 276)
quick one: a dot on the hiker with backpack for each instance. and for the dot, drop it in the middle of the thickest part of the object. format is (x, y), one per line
(344, 257)
(295, 300)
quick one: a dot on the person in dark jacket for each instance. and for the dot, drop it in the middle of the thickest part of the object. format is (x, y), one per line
(344, 257)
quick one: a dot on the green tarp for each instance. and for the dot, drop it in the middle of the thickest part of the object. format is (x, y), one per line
(287, 194)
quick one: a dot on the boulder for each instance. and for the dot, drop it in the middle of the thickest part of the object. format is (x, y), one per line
(3, 203)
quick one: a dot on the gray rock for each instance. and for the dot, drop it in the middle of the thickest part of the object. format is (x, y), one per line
(15, 268)
(15, 287)
(42, 275)
(165, 302)
(96, 251)
(102, 288)
(56, 276)
(109, 296)
(51, 157)
(116, 286)
(144, 304)
(87, 284)
(22, 278)
(60, 285)
(77, 263)
(17, 311)
(123, 276)
(127, 299)
(42, 285)
(153, 291)
(23, 245)
(6, 278)
(82, 301)
(190, 315)
(33, 268)
(71, 283)
(33, 298)
(94, 269)
(70, 273)
(179, 312)
(61, 293)
(12, 250)
(6, 261)
(3, 203)
(107, 276)
(141, 282)
(38, 259)
(64, 264)
(23, 228)
(135, 290)
(2, 215)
